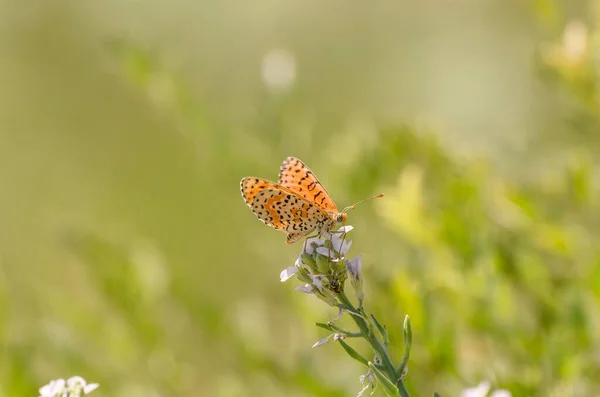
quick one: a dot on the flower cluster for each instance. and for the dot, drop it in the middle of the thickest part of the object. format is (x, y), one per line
(75, 386)
(324, 269)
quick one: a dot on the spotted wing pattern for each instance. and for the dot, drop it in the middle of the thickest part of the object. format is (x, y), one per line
(297, 177)
(294, 237)
(281, 208)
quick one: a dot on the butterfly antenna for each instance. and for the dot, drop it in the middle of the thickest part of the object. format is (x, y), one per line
(362, 201)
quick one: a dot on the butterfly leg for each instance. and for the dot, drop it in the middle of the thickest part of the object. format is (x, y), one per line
(343, 238)
(309, 237)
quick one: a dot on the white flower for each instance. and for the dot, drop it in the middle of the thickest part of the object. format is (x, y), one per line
(54, 388)
(76, 383)
(306, 288)
(325, 251)
(368, 381)
(288, 273)
(74, 387)
(339, 241)
(317, 282)
(321, 342)
(354, 267)
(345, 229)
(339, 315)
(482, 390)
(311, 243)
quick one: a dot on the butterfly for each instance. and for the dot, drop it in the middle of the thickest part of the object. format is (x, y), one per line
(297, 204)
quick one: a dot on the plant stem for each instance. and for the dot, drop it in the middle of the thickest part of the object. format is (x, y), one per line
(376, 344)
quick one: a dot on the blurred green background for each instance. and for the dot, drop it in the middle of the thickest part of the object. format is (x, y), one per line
(127, 255)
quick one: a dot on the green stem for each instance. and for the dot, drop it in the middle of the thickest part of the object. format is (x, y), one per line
(371, 338)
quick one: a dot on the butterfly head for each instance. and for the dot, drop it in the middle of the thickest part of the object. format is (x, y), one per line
(341, 217)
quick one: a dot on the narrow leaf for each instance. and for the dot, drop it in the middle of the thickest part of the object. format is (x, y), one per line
(389, 388)
(353, 353)
(407, 346)
(382, 331)
(324, 326)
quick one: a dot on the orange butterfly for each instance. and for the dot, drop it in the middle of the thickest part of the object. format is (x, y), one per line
(297, 204)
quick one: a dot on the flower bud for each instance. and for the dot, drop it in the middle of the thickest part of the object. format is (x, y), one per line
(304, 276)
(323, 264)
(327, 296)
(309, 261)
(354, 267)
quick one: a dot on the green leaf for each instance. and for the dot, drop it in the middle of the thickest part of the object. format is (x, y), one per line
(407, 346)
(353, 353)
(382, 331)
(324, 326)
(389, 388)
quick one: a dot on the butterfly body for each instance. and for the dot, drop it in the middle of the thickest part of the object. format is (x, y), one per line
(297, 204)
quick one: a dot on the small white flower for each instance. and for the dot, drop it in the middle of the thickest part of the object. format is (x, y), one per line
(368, 381)
(317, 282)
(339, 315)
(76, 384)
(354, 267)
(306, 288)
(345, 229)
(325, 252)
(75, 381)
(482, 390)
(288, 273)
(73, 387)
(340, 241)
(90, 387)
(54, 388)
(299, 262)
(311, 243)
(321, 342)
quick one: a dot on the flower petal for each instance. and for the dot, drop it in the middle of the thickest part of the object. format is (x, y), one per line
(339, 315)
(341, 244)
(288, 273)
(354, 267)
(481, 390)
(322, 341)
(311, 243)
(75, 381)
(325, 251)
(345, 229)
(306, 288)
(90, 388)
(500, 393)
(55, 387)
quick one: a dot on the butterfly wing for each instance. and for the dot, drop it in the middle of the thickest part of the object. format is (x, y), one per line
(297, 177)
(281, 208)
(295, 237)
